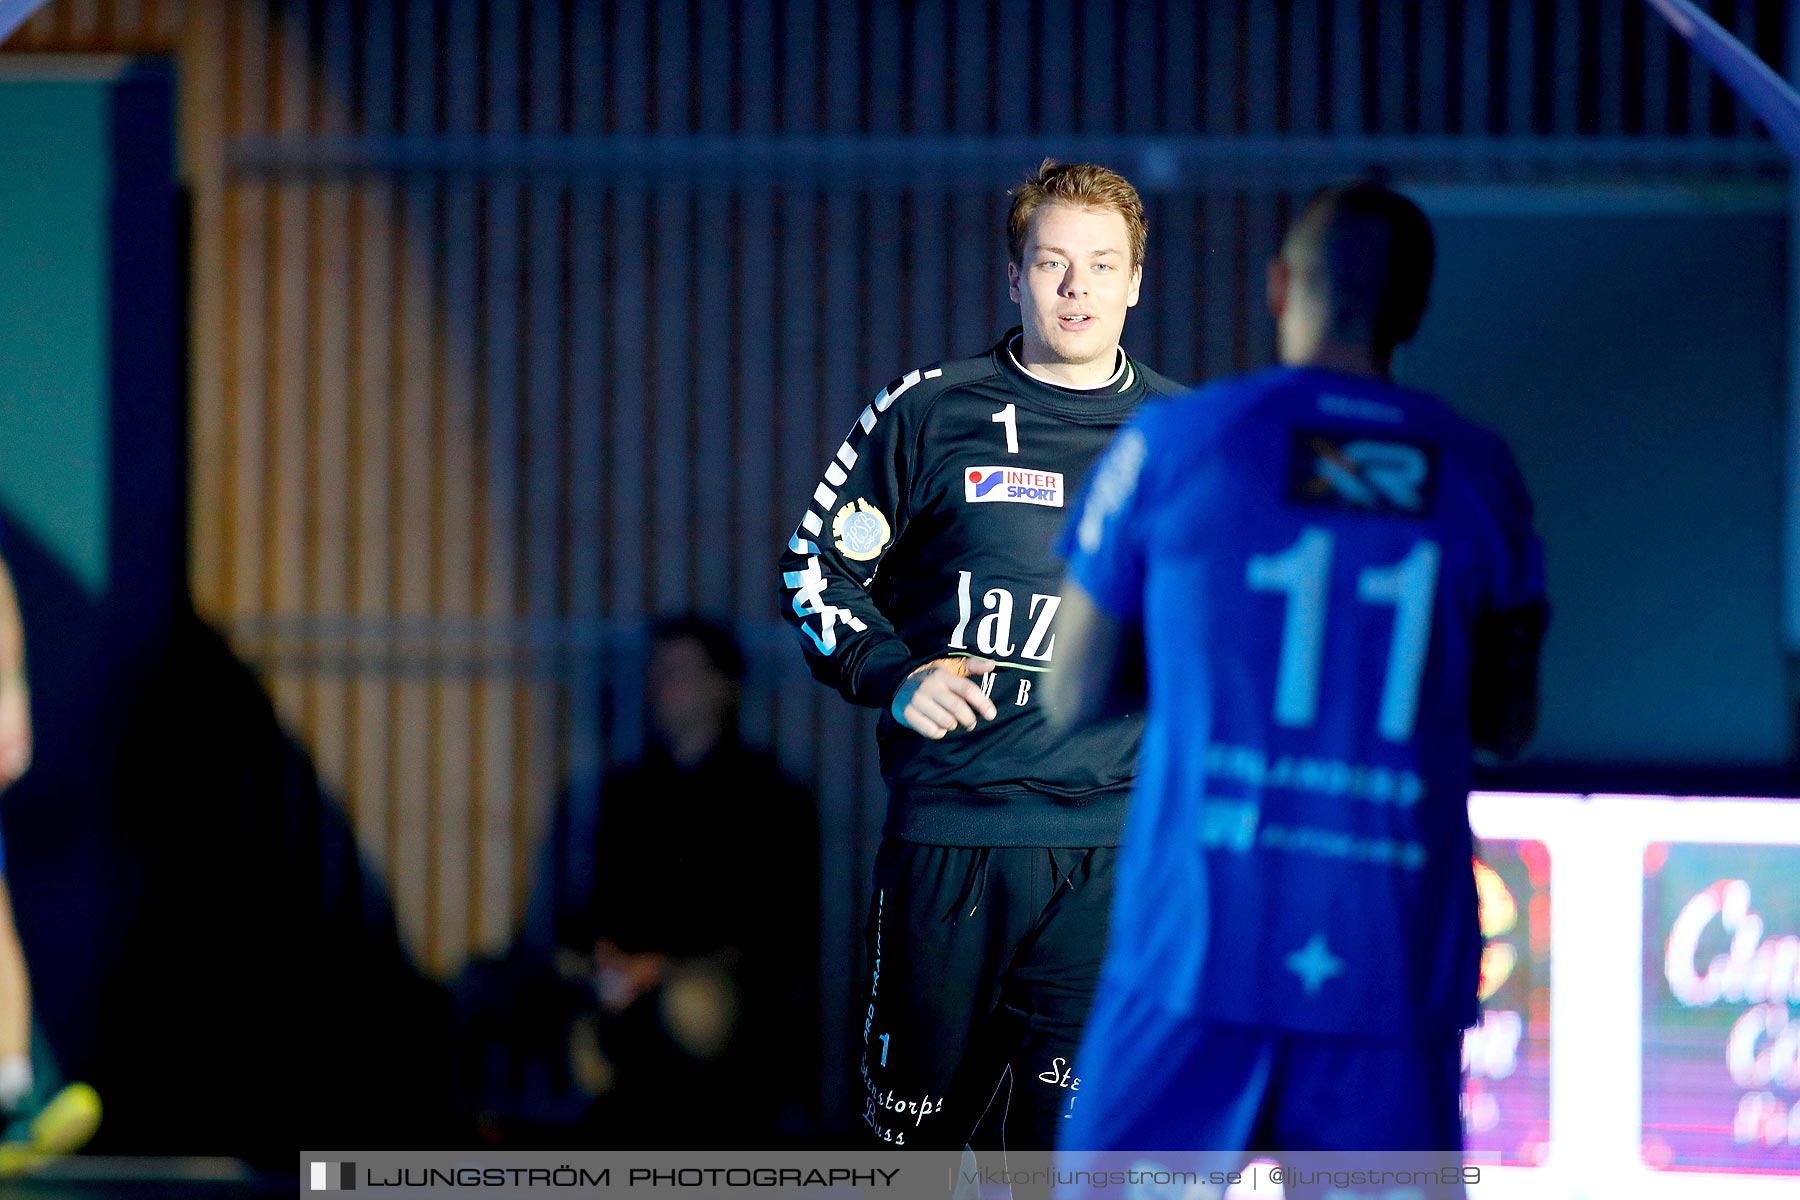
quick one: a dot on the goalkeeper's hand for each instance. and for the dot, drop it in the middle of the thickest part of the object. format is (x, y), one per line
(941, 696)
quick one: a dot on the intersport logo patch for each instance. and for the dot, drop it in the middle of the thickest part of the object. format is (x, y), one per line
(1012, 485)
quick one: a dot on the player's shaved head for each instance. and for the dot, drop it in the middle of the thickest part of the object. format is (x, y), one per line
(1367, 253)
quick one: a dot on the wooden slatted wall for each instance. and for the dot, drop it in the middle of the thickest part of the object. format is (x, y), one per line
(103, 27)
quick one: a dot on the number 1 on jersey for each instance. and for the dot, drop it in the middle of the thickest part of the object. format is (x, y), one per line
(1410, 585)
(1008, 417)
(1303, 573)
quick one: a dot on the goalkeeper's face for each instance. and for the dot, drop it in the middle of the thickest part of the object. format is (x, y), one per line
(1074, 285)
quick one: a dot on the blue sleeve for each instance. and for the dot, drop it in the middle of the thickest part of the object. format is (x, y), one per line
(1518, 578)
(1105, 538)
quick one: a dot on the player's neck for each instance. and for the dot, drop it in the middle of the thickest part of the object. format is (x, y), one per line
(1036, 362)
(1327, 355)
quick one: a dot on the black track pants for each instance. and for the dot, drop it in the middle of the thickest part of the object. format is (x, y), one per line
(982, 963)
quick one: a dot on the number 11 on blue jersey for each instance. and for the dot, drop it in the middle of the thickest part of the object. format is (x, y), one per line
(1302, 572)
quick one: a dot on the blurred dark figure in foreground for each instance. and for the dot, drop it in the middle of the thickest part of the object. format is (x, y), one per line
(263, 997)
(685, 988)
(207, 945)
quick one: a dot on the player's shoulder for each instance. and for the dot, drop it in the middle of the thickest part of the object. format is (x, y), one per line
(1188, 413)
(1487, 454)
(1483, 440)
(921, 387)
(1157, 385)
(1437, 419)
(1468, 448)
(1173, 431)
(909, 400)
(1408, 412)
(1285, 396)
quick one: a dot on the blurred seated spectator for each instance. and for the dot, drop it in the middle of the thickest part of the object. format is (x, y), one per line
(686, 981)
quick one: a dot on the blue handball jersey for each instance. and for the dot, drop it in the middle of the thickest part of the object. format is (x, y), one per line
(1308, 553)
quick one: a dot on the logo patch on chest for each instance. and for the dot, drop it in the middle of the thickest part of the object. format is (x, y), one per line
(1012, 485)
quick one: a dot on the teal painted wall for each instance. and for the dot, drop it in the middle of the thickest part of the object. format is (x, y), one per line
(55, 353)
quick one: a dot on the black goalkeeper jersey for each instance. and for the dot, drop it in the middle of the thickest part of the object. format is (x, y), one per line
(932, 534)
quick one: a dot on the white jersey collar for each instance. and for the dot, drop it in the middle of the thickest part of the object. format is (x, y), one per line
(1057, 383)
